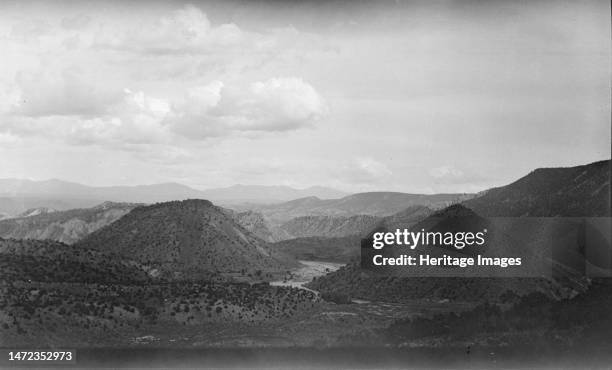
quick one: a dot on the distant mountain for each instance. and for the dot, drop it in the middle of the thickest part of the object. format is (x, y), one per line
(191, 238)
(14, 205)
(548, 192)
(268, 194)
(374, 204)
(328, 226)
(57, 189)
(18, 195)
(63, 226)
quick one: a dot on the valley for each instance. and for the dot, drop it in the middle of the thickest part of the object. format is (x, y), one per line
(191, 274)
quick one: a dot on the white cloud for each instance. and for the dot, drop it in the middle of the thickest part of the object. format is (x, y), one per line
(185, 30)
(278, 104)
(212, 110)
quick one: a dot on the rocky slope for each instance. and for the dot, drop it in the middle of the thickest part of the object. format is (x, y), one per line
(253, 222)
(63, 226)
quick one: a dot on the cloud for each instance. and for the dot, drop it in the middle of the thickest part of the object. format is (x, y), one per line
(134, 117)
(278, 104)
(185, 30)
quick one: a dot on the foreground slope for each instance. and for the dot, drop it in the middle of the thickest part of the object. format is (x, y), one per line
(54, 295)
(187, 238)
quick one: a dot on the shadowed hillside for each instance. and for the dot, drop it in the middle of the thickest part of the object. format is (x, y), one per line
(567, 192)
(582, 191)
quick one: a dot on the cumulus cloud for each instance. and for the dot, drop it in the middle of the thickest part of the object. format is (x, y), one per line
(278, 104)
(102, 87)
(185, 30)
(212, 110)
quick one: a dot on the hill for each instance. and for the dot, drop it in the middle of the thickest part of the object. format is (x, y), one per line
(344, 248)
(63, 226)
(50, 261)
(549, 192)
(329, 226)
(53, 295)
(565, 192)
(188, 238)
(328, 249)
(36, 211)
(378, 204)
(253, 222)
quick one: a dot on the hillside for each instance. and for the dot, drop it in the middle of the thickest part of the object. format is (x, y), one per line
(567, 192)
(329, 249)
(329, 226)
(549, 192)
(345, 248)
(188, 238)
(49, 261)
(35, 212)
(378, 204)
(63, 226)
(253, 222)
(55, 295)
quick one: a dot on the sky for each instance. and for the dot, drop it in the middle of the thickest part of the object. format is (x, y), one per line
(421, 97)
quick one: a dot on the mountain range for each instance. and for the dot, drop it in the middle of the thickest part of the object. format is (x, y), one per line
(18, 195)
(379, 204)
